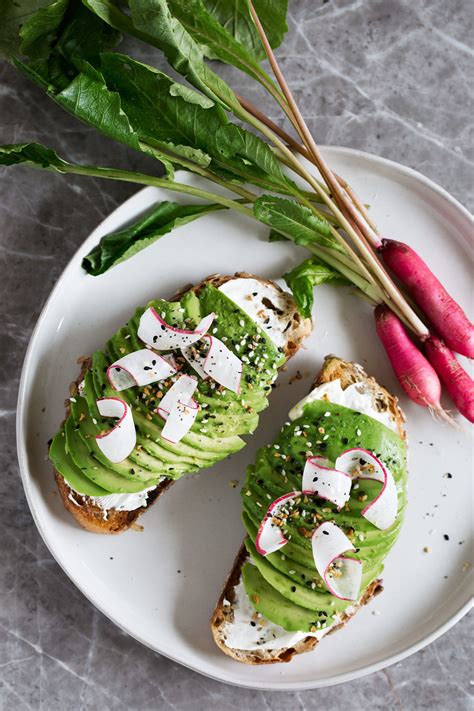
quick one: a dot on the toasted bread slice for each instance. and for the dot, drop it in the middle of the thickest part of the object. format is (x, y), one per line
(334, 368)
(91, 516)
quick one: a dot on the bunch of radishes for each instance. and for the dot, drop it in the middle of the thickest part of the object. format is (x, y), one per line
(419, 374)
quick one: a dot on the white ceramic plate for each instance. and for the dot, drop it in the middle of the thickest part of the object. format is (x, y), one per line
(160, 585)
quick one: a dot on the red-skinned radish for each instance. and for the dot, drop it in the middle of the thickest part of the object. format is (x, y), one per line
(447, 317)
(455, 379)
(416, 375)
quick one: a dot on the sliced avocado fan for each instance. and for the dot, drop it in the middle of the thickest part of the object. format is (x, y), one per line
(285, 586)
(224, 416)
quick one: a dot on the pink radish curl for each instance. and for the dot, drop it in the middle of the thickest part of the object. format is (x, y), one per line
(455, 379)
(439, 307)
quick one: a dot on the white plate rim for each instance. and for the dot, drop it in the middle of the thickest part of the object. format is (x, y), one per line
(21, 453)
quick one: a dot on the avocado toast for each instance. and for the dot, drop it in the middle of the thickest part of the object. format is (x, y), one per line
(277, 601)
(261, 328)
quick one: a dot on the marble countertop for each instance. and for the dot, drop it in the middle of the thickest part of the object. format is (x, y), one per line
(384, 76)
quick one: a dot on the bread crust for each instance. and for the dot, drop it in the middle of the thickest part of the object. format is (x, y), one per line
(91, 516)
(333, 368)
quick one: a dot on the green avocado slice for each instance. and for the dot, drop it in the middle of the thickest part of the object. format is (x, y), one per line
(276, 608)
(88, 430)
(300, 595)
(72, 474)
(94, 470)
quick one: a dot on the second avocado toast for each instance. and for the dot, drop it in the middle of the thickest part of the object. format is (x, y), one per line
(319, 524)
(255, 323)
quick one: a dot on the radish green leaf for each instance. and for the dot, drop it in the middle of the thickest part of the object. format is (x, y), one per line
(303, 278)
(118, 246)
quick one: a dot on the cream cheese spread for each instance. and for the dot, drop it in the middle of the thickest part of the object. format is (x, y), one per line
(119, 502)
(267, 306)
(353, 397)
(250, 630)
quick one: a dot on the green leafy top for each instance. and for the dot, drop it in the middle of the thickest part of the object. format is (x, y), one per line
(118, 246)
(303, 278)
(65, 47)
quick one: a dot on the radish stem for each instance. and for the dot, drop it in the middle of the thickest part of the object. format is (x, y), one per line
(360, 233)
(143, 179)
(303, 151)
(345, 205)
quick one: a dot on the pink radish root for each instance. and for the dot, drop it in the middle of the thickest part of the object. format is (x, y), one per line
(455, 379)
(439, 307)
(416, 376)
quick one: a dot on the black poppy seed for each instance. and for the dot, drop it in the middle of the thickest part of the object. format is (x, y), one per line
(253, 623)
(293, 588)
(446, 537)
(326, 533)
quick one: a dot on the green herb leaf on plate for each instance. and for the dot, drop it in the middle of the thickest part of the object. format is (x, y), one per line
(118, 246)
(303, 278)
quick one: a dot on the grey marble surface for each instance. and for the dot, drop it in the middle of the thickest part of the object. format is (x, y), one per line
(393, 77)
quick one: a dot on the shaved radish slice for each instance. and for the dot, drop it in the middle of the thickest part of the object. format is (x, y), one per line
(139, 368)
(270, 536)
(330, 484)
(119, 442)
(222, 365)
(360, 463)
(181, 391)
(219, 363)
(158, 334)
(195, 360)
(179, 409)
(179, 421)
(342, 575)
